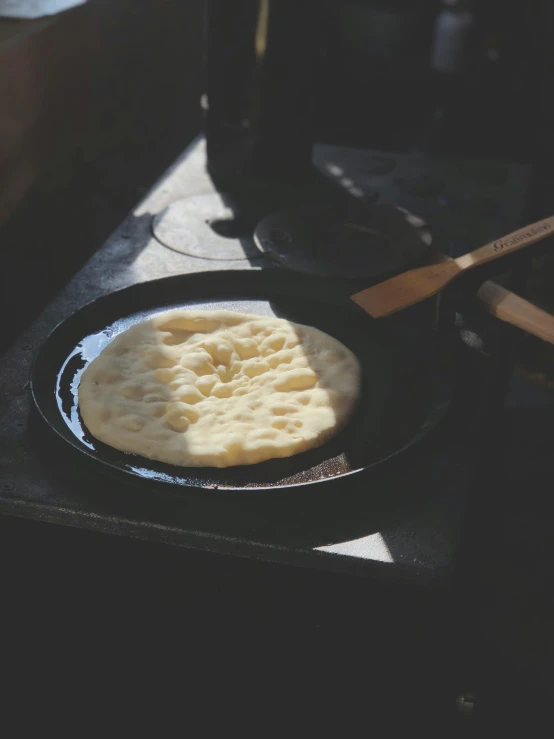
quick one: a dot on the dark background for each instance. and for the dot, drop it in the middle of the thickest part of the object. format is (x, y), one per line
(94, 105)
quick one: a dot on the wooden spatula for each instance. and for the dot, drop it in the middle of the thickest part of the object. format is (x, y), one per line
(417, 284)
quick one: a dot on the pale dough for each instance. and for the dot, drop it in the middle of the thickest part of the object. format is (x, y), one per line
(217, 388)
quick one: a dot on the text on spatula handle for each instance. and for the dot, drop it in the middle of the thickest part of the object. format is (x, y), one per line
(509, 241)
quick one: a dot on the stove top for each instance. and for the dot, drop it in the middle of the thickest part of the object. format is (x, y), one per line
(420, 544)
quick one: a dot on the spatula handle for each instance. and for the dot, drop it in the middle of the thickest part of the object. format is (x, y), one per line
(507, 244)
(513, 309)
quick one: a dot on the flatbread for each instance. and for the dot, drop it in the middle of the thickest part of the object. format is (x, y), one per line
(217, 389)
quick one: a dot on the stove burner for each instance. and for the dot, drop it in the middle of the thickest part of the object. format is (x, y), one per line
(205, 226)
(365, 242)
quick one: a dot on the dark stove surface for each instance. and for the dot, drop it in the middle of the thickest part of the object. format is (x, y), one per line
(419, 544)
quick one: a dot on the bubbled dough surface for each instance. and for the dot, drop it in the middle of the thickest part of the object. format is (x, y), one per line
(218, 388)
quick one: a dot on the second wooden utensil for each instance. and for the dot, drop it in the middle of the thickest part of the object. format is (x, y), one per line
(511, 308)
(417, 284)
(515, 310)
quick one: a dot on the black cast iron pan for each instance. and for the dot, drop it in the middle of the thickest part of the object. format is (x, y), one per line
(403, 398)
